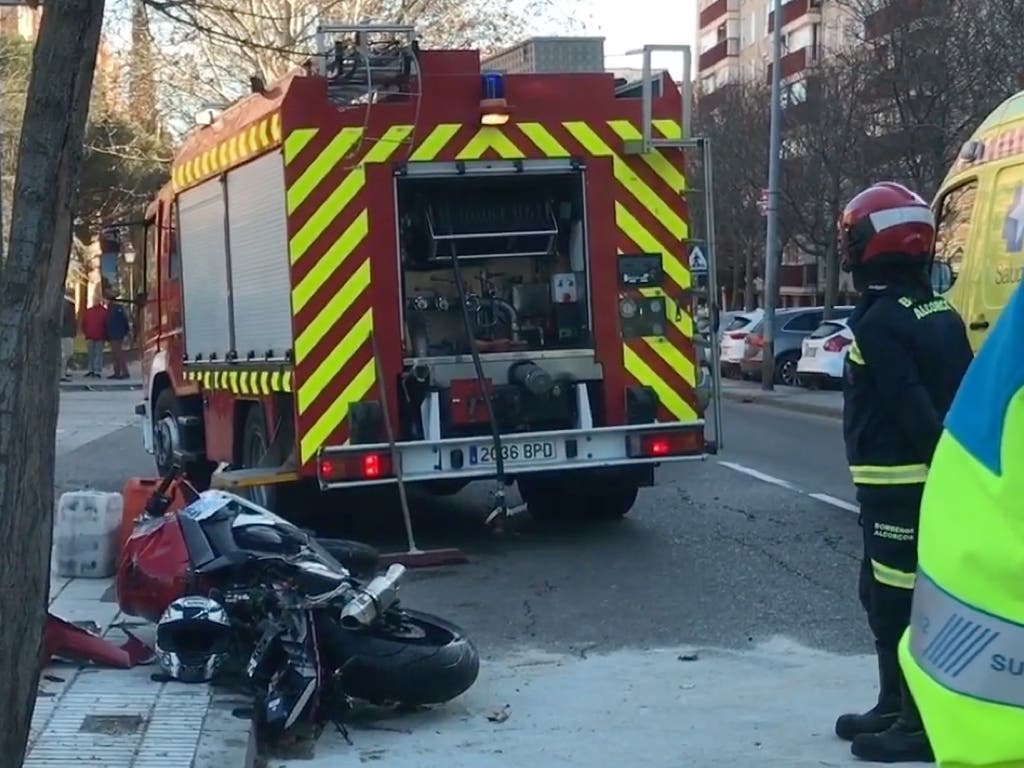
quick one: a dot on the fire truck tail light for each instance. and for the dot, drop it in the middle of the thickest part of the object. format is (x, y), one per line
(355, 466)
(683, 442)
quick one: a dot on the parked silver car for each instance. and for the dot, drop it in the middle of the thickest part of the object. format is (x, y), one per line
(792, 326)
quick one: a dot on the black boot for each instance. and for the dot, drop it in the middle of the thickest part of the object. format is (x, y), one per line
(886, 710)
(904, 742)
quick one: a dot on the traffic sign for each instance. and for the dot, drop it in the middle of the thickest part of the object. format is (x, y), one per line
(698, 262)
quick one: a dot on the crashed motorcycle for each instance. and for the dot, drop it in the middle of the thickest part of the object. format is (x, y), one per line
(313, 637)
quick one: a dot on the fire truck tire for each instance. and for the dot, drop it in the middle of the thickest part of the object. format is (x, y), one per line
(168, 406)
(256, 450)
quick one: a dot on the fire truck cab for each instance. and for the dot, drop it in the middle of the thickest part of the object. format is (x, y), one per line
(394, 261)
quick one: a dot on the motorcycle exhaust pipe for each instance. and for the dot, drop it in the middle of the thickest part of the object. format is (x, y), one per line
(373, 600)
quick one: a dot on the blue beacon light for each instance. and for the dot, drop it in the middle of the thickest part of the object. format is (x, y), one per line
(493, 107)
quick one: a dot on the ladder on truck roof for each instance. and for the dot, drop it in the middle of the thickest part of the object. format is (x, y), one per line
(703, 273)
(363, 62)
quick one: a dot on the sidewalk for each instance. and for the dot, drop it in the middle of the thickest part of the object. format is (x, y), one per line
(121, 718)
(817, 402)
(79, 382)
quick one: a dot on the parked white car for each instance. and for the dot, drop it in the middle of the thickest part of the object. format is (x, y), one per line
(733, 340)
(823, 354)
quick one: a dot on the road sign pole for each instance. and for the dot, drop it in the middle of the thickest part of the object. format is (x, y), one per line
(771, 255)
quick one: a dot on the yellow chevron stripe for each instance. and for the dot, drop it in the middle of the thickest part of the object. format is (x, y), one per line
(675, 359)
(644, 240)
(315, 173)
(332, 313)
(275, 381)
(335, 361)
(486, 138)
(275, 127)
(655, 159)
(332, 260)
(333, 416)
(668, 128)
(543, 140)
(668, 397)
(243, 145)
(296, 141)
(342, 195)
(627, 177)
(243, 382)
(233, 150)
(287, 380)
(435, 142)
(264, 134)
(265, 387)
(386, 145)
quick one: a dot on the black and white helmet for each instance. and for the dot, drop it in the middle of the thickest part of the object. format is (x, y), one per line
(192, 639)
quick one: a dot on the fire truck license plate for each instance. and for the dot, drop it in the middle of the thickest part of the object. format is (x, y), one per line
(534, 450)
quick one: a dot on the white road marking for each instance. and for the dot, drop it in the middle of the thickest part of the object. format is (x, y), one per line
(759, 475)
(765, 478)
(835, 502)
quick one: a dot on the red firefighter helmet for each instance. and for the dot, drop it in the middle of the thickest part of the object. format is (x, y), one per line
(886, 224)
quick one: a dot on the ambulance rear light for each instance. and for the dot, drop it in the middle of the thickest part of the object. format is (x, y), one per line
(652, 445)
(371, 465)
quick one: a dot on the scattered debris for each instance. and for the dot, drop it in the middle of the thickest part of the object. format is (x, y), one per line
(500, 715)
(53, 679)
(688, 657)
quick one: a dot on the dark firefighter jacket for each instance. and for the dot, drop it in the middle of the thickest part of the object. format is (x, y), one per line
(908, 357)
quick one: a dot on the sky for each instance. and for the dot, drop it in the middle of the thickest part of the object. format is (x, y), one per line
(629, 24)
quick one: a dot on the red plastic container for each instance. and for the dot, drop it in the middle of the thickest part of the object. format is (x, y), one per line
(136, 493)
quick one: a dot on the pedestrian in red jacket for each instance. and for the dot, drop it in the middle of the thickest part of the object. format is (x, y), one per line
(94, 328)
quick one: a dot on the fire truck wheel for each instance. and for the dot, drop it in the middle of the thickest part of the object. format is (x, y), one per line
(167, 432)
(256, 451)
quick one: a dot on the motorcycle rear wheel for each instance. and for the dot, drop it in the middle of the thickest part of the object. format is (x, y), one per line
(426, 660)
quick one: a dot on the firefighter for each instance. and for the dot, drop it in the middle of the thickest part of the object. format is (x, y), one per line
(963, 655)
(909, 353)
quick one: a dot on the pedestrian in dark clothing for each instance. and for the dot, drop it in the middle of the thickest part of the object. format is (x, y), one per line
(910, 352)
(94, 328)
(118, 328)
(68, 331)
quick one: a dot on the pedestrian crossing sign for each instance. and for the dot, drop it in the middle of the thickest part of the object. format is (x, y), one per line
(698, 262)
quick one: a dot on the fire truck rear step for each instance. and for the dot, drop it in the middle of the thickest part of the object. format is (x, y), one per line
(240, 479)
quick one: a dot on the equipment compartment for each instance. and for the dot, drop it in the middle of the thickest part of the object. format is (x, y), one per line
(521, 245)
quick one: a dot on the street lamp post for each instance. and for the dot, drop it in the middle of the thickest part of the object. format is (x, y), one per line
(129, 258)
(771, 255)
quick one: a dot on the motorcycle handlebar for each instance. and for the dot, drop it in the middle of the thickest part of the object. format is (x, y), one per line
(158, 501)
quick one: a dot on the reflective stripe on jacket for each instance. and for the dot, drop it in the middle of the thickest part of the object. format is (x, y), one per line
(963, 655)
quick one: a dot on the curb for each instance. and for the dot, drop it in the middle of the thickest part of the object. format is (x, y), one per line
(226, 741)
(73, 387)
(753, 398)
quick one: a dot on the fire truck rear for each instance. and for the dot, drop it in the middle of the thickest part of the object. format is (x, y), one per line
(392, 263)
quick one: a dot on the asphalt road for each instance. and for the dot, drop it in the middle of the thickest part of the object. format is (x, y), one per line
(727, 553)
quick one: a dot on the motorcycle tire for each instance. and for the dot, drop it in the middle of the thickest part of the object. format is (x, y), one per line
(360, 559)
(427, 661)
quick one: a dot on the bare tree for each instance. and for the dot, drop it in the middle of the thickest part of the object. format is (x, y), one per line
(939, 67)
(31, 287)
(735, 119)
(214, 46)
(826, 157)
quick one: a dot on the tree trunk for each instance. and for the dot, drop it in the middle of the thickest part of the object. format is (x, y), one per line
(748, 278)
(31, 289)
(831, 263)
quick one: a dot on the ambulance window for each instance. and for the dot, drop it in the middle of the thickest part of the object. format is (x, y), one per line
(954, 226)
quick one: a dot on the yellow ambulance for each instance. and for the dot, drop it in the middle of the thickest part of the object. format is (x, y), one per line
(979, 213)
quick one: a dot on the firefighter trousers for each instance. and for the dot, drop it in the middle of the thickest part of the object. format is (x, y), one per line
(889, 517)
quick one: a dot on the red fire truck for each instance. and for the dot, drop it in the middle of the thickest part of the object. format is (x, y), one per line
(390, 261)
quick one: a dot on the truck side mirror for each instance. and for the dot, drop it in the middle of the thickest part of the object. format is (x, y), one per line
(941, 276)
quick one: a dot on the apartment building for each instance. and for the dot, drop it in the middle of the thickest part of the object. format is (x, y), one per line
(735, 41)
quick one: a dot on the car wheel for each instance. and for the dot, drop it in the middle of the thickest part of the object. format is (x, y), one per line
(785, 369)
